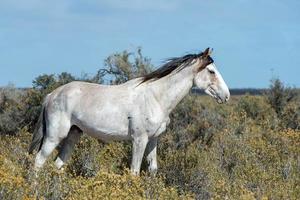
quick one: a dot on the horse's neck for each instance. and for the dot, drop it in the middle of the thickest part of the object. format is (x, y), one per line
(170, 90)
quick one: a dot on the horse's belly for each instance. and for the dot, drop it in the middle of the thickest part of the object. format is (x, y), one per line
(105, 128)
(107, 137)
(106, 133)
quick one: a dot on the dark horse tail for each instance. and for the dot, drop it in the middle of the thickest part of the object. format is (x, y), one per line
(39, 131)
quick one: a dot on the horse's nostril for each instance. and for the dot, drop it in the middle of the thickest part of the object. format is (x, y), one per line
(226, 98)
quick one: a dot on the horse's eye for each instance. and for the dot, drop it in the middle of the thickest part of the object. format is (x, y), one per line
(211, 71)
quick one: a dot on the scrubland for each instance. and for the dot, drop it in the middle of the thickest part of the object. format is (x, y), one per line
(242, 150)
(246, 149)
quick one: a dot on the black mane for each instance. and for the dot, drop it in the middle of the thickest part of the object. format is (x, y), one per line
(172, 64)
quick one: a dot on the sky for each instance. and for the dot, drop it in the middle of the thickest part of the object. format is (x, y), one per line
(253, 40)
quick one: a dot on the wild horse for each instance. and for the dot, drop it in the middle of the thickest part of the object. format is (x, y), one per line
(137, 110)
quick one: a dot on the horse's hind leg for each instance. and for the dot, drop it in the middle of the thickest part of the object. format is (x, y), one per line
(57, 130)
(68, 146)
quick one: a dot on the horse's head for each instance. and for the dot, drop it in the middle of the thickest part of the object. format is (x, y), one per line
(208, 78)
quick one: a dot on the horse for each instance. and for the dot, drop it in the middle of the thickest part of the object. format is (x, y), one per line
(137, 110)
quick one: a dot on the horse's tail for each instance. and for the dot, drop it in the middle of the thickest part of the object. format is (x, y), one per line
(39, 131)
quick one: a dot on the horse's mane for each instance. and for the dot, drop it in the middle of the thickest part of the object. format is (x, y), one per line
(171, 65)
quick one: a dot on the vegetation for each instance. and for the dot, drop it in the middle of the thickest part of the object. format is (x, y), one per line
(247, 149)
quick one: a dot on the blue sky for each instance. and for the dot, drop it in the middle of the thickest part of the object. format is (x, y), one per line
(253, 40)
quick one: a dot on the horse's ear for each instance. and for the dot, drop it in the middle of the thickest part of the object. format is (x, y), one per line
(206, 52)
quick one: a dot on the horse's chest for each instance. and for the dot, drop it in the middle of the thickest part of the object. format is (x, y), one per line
(155, 124)
(149, 116)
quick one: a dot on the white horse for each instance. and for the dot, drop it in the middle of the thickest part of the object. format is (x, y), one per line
(137, 110)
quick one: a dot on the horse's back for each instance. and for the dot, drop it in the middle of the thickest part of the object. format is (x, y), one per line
(97, 109)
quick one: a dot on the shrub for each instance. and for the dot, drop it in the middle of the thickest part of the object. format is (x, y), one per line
(11, 110)
(278, 95)
(252, 106)
(126, 65)
(258, 110)
(261, 162)
(84, 158)
(290, 117)
(284, 100)
(17, 180)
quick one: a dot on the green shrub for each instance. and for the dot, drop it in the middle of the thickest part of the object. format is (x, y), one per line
(253, 106)
(279, 96)
(290, 117)
(11, 110)
(126, 65)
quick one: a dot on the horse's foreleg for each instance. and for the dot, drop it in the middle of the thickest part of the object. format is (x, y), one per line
(68, 146)
(151, 155)
(138, 149)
